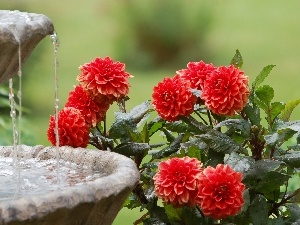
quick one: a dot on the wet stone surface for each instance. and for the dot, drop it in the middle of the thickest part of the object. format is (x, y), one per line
(26, 29)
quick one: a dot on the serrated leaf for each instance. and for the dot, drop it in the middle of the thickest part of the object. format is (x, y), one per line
(263, 97)
(132, 149)
(276, 109)
(145, 134)
(219, 142)
(237, 59)
(253, 113)
(260, 168)
(282, 135)
(194, 152)
(236, 124)
(170, 149)
(271, 181)
(132, 201)
(172, 213)
(157, 213)
(131, 120)
(262, 76)
(239, 163)
(259, 210)
(169, 136)
(284, 131)
(178, 127)
(192, 216)
(292, 158)
(288, 109)
(294, 210)
(155, 125)
(194, 142)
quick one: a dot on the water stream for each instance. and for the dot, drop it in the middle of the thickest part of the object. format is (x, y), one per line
(34, 173)
(55, 42)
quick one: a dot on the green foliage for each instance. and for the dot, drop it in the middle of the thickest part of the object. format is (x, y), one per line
(262, 150)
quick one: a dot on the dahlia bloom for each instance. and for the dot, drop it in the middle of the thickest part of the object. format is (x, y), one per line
(92, 109)
(172, 98)
(104, 77)
(196, 73)
(226, 91)
(72, 129)
(176, 181)
(220, 191)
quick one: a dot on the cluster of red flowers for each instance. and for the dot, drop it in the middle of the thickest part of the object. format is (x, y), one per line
(224, 91)
(102, 82)
(217, 191)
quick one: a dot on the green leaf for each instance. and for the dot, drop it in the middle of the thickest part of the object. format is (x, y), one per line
(262, 76)
(132, 149)
(194, 152)
(288, 109)
(280, 136)
(170, 149)
(132, 201)
(169, 135)
(192, 216)
(239, 163)
(172, 213)
(237, 59)
(236, 124)
(258, 171)
(125, 121)
(294, 210)
(145, 134)
(178, 127)
(292, 158)
(283, 132)
(276, 109)
(271, 181)
(259, 210)
(253, 113)
(219, 142)
(155, 125)
(157, 213)
(263, 97)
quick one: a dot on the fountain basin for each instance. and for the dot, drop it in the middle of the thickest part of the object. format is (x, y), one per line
(94, 202)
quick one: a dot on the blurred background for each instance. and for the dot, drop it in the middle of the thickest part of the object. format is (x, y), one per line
(154, 39)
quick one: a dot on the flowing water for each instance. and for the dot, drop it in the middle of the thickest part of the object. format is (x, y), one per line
(55, 42)
(21, 177)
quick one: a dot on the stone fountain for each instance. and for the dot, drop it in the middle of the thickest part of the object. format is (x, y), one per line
(94, 202)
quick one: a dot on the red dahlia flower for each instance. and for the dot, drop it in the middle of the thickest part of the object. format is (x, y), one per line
(72, 129)
(226, 91)
(172, 98)
(220, 191)
(176, 180)
(93, 110)
(105, 77)
(196, 73)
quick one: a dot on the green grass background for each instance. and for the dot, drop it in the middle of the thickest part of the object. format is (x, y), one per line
(265, 32)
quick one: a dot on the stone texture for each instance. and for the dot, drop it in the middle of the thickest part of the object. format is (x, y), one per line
(96, 202)
(16, 27)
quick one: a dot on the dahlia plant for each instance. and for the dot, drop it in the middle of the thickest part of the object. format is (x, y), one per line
(228, 154)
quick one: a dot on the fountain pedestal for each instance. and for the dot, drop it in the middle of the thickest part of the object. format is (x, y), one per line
(93, 203)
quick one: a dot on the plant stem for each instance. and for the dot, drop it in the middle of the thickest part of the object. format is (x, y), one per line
(283, 201)
(203, 120)
(140, 220)
(138, 191)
